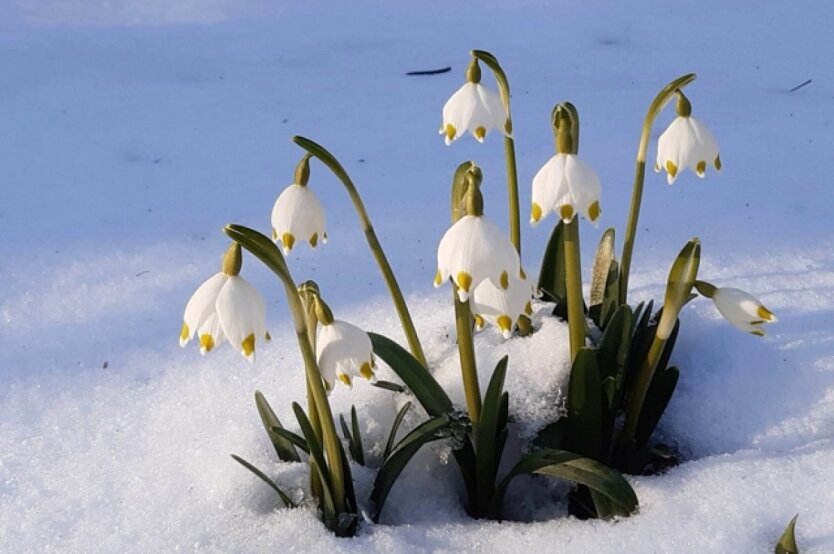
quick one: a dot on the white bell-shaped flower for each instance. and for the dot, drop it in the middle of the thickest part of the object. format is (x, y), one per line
(500, 307)
(686, 143)
(567, 186)
(742, 309)
(344, 351)
(474, 249)
(226, 308)
(476, 109)
(298, 215)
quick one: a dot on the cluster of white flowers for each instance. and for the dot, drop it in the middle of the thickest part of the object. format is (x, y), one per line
(227, 308)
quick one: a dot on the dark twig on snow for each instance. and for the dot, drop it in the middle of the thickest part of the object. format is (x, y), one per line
(797, 87)
(431, 71)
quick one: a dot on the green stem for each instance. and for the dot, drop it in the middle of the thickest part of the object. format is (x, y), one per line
(641, 387)
(509, 145)
(512, 192)
(312, 322)
(639, 176)
(373, 242)
(267, 252)
(573, 287)
(468, 367)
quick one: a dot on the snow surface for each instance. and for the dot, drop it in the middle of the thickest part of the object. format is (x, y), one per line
(131, 131)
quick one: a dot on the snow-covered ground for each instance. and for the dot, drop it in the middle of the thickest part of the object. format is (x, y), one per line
(132, 131)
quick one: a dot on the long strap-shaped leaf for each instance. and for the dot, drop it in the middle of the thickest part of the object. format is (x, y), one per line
(429, 431)
(433, 399)
(284, 497)
(316, 452)
(573, 467)
(289, 436)
(487, 441)
(283, 447)
(392, 436)
(415, 376)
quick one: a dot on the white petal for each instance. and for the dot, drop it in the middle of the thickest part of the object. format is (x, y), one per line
(210, 334)
(546, 184)
(493, 104)
(739, 307)
(342, 348)
(201, 305)
(242, 314)
(297, 211)
(490, 301)
(459, 108)
(476, 247)
(583, 184)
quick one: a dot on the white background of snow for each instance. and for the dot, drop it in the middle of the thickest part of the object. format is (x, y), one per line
(131, 132)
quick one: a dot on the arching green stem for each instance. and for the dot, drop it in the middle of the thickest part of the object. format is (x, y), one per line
(262, 247)
(509, 145)
(639, 176)
(373, 242)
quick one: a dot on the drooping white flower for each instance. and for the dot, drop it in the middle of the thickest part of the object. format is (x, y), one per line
(226, 308)
(686, 143)
(474, 249)
(344, 351)
(742, 309)
(567, 186)
(476, 109)
(298, 215)
(500, 307)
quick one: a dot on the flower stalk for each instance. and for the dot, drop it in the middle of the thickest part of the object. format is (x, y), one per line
(565, 121)
(655, 108)
(261, 247)
(467, 200)
(509, 145)
(373, 242)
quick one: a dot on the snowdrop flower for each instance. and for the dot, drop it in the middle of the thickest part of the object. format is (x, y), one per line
(297, 213)
(474, 108)
(499, 307)
(742, 309)
(472, 250)
(226, 308)
(686, 143)
(343, 350)
(566, 185)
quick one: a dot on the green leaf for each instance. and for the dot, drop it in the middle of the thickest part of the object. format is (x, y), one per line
(283, 447)
(573, 467)
(392, 436)
(612, 291)
(317, 454)
(431, 430)
(416, 377)
(284, 497)
(600, 277)
(584, 428)
(388, 385)
(552, 273)
(787, 543)
(346, 522)
(602, 261)
(657, 398)
(356, 447)
(291, 437)
(259, 245)
(487, 436)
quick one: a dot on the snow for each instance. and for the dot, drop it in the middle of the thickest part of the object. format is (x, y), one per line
(132, 131)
